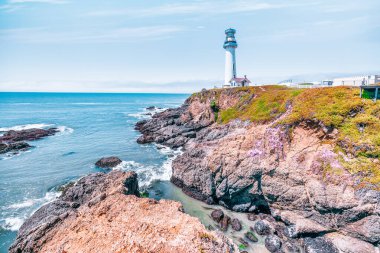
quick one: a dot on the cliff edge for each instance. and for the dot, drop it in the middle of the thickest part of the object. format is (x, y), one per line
(310, 158)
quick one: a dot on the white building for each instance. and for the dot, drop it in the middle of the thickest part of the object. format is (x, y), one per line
(357, 80)
(230, 78)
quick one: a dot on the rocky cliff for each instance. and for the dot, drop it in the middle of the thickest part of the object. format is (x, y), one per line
(308, 157)
(103, 213)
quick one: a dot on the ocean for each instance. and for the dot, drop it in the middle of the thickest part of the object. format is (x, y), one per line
(91, 126)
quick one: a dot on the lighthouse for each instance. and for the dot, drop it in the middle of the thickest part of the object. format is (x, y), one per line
(230, 45)
(230, 78)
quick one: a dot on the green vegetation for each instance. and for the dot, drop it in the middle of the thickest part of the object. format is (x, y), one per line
(144, 194)
(242, 247)
(357, 120)
(268, 103)
(215, 109)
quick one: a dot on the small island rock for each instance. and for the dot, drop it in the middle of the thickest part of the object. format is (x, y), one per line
(108, 162)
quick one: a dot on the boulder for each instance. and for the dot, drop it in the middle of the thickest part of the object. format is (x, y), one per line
(236, 225)
(262, 227)
(217, 215)
(251, 217)
(224, 223)
(273, 243)
(108, 162)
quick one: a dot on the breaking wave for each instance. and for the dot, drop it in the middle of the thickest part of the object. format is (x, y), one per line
(150, 173)
(19, 212)
(146, 114)
(61, 129)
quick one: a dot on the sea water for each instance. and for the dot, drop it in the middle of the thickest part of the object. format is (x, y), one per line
(90, 126)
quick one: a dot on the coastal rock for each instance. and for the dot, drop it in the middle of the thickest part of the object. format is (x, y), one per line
(217, 215)
(262, 227)
(236, 224)
(27, 134)
(251, 217)
(106, 219)
(300, 225)
(13, 147)
(224, 223)
(319, 245)
(273, 243)
(108, 162)
(263, 167)
(14, 141)
(346, 244)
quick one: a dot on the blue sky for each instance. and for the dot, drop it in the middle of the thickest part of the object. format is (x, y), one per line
(176, 46)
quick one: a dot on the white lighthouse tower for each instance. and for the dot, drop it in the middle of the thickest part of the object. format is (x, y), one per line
(230, 45)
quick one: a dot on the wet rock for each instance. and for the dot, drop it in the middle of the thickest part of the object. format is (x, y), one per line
(150, 108)
(236, 225)
(251, 236)
(108, 162)
(318, 245)
(273, 243)
(13, 147)
(224, 223)
(262, 227)
(252, 217)
(27, 134)
(217, 215)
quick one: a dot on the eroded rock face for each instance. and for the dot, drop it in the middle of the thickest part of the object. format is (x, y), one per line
(108, 162)
(95, 214)
(264, 168)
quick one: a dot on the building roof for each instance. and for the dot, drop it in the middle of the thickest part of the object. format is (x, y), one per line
(240, 79)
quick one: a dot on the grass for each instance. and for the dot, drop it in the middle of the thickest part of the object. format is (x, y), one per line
(357, 120)
(269, 103)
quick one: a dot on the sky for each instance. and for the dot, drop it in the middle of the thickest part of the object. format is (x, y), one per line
(176, 46)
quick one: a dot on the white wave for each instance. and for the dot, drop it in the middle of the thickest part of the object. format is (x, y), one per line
(150, 173)
(65, 129)
(19, 212)
(49, 196)
(146, 114)
(24, 127)
(13, 223)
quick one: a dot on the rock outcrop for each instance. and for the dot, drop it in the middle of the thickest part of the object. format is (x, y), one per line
(14, 141)
(108, 162)
(265, 167)
(102, 213)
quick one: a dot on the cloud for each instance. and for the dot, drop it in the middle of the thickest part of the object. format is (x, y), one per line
(205, 7)
(43, 35)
